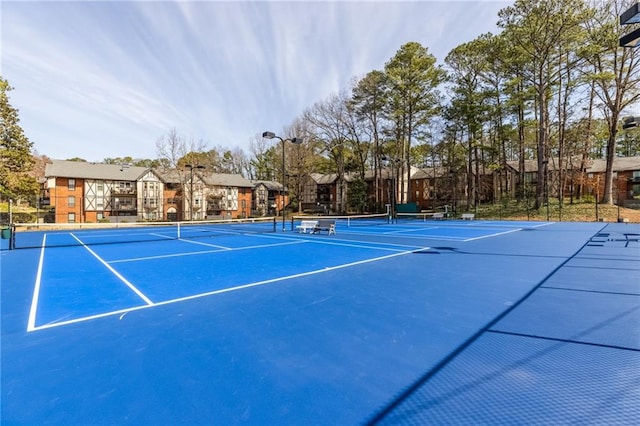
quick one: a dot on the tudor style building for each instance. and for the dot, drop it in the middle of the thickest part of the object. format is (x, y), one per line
(91, 192)
(88, 192)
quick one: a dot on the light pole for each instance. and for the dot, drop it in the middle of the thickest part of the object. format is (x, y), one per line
(546, 185)
(297, 141)
(191, 167)
(392, 191)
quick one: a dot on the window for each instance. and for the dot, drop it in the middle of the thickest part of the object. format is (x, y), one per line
(71, 201)
(125, 187)
(71, 184)
(100, 186)
(71, 218)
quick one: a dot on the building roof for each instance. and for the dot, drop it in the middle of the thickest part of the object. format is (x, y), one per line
(593, 166)
(84, 170)
(620, 164)
(169, 176)
(321, 179)
(430, 172)
(225, 179)
(270, 185)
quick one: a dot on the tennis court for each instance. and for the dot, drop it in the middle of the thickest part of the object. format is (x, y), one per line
(415, 322)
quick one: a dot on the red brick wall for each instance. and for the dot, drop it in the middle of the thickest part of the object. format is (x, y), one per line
(60, 200)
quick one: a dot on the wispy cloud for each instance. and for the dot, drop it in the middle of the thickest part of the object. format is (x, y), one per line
(106, 79)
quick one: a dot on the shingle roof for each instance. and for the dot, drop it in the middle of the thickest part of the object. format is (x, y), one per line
(224, 179)
(620, 164)
(321, 179)
(84, 170)
(593, 166)
(169, 176)
(270, 185)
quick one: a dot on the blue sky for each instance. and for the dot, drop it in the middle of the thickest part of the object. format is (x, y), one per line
(104, 79)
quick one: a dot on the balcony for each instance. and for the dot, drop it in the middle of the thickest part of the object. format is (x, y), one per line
(123, 191)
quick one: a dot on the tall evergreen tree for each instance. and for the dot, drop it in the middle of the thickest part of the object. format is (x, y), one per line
(413, 78)
(536, 29)
(16, 159)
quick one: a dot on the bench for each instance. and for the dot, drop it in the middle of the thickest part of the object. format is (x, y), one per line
(325, 225)
(468, 216)
(307, 224)
(438, 216)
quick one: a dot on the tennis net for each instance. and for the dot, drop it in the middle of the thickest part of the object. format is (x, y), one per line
(346, 220)
(33, 235)
(409, 217)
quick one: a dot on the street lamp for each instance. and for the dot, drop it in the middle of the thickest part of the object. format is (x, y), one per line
(629, 17)
(191, 167)
(297, 141)
(630, 122)
(392, 190)
(546, 185)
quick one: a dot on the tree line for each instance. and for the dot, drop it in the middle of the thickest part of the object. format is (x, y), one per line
(552, 85)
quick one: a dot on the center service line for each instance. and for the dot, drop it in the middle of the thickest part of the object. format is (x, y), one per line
(116, 273)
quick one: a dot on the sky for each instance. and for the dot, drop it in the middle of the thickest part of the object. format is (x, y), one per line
(107, 79)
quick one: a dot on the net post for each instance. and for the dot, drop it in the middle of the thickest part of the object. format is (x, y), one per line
(178, 228)
(12, 236)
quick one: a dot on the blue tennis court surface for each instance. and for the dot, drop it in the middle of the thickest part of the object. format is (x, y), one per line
(410, 323)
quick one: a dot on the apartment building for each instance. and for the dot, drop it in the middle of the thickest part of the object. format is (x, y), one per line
(90, 192)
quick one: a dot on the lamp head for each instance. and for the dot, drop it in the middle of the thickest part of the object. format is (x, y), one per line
(630, 122)
(296, 140)
(268, 135)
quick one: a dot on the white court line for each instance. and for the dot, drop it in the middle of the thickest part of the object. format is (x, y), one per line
(543, 224)
(196, 253)
(450, 238)
(401, 231)
(332, 240)
(116, 273)
(225, 290)
(493, 235)
(163, 236)
(31, 323)
(406, 237)
(203, 244)
(369, 247)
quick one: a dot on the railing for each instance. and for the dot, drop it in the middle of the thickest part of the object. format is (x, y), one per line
(123, 191)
